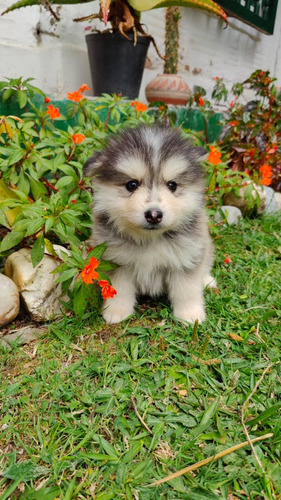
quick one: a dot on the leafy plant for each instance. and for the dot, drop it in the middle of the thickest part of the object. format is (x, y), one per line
(124, 15)
(19, 89)
(252, 133)
(43, 195)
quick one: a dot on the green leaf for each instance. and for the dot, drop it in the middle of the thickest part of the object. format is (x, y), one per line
(37, 252)
(42, 494)
(209, 413)
(200, 494)
(37, 188)
(49, 223)
(81, 299)
(3, 219)
(65, 275)
(65, 181)
(7, 94)
(97, 252)
(25, 471)
(23, 184)
(16, 155)
(22, 98)
(11, 240)
(34, 226)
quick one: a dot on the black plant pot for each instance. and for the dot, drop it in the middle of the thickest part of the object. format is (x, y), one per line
(116, 64)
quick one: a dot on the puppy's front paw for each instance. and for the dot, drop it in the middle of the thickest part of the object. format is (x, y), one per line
(190, 314)
(115, 313)
(210, 282)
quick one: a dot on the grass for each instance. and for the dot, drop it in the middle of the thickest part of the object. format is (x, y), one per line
(95, 411)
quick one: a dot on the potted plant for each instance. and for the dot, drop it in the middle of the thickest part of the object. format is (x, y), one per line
(170, 87)
(126, 41)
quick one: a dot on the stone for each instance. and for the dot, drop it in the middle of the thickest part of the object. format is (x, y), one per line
(271, 204)
(39, 292)
(244, 203)
(9, 300)
(231, 214)
(22, 336)
(277, 197)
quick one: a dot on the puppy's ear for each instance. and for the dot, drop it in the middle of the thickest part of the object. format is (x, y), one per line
(202, 153)
(92, 164)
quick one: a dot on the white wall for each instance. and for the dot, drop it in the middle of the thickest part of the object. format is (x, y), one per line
(55, 54)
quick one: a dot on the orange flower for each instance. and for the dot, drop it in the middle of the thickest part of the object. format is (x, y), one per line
(53, 112)
(139, 106)
(75, 96)
(47, 100)
(107, 290)
(89, 274)
(214, 156)
(201, 101)
(78, 138)
(84, 87)
(227, 259)
(232, 104)
(266, 171)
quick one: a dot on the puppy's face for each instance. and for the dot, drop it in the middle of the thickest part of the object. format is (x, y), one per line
(147, 181)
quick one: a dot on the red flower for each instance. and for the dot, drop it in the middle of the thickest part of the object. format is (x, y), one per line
(53, 112)
(74, 201)
(232, 104)
(75, 96)
(89, 274)
(266, 171)
(84, 87)
(234, 123)
(227, 260)
(78, 138)
(201, 101)
(214, 156)
(139, 106)
(107, 290)
(47, 100)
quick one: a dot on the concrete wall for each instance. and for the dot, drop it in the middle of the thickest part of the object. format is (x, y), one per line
(31, 45)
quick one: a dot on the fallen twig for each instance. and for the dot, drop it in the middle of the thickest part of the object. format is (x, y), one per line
(210, 459)
(139, 417)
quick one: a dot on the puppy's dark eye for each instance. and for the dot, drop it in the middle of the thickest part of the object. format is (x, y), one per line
(132, 185)
(172, 185)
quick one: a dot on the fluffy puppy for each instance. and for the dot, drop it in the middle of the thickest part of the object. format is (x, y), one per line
(149, 209)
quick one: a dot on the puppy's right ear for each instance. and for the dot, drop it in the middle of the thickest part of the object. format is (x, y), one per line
(92, 164)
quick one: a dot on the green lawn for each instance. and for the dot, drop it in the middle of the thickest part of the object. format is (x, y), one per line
(97, 411)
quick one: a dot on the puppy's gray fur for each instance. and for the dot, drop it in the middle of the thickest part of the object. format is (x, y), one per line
(149, 209)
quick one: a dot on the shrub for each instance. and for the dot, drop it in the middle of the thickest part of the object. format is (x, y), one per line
(252, 132)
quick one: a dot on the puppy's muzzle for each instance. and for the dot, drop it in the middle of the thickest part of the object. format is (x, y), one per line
(153, 216)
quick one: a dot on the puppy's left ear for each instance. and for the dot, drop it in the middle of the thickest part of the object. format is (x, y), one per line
(202, 153)
(92, 164)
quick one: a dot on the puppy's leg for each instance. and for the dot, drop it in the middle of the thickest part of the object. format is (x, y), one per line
(209, 281)
(121, 305)
(186, 296)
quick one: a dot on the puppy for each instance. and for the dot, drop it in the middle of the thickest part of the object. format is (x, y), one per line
(149, 209)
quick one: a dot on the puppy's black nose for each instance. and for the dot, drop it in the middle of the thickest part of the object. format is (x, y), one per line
(153, 216)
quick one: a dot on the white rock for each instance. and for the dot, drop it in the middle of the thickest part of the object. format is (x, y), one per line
(242, 203)
(277, 197)
(9, 300)
(271, 204)
(231, 214)
(37, 287)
